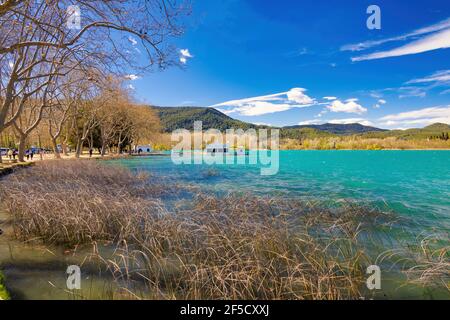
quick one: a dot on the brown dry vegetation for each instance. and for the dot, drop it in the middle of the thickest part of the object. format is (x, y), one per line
(163, 142)
(358, 143)
(233, 247)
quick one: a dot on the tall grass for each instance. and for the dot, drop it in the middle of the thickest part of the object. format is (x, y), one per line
(363, 143)
(232, 247)
(75, 202)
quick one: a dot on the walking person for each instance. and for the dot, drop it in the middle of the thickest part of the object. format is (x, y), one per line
(31, 154)
(10, 153)
(90, 152)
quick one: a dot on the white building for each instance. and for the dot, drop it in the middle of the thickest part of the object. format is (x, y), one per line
(143, 149)
(220, 148)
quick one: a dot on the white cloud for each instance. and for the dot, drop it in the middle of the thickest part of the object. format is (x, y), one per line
(308, 122)
(185, 55)
(294, 98)
(438, 40)
(420, 86)
(445, 24)
(330, 98)
(379, 103)
(410, 91)
(439, 77)
(297, 95)
(421, 117)
(132, 40)
(375, 95)
(132, 77)
(262, 124)
(349, 106)
(364, 122)
(258, 108)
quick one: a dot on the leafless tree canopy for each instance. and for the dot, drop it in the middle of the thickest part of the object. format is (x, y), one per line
(44, 42)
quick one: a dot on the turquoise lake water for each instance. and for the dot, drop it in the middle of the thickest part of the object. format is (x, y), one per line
(413, 183)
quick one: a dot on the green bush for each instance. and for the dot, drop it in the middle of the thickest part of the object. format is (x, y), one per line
(3, 292)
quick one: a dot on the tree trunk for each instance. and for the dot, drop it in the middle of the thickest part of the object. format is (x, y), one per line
(40, 148)
(22, 146)
(91, 141)
(55, 149)
(103, 149)
(79, 148)
(64, 147)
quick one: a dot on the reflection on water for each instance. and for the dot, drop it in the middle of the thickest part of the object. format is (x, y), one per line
(37, 272)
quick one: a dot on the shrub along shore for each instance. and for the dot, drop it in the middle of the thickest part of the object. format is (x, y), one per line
(209, 247)
(4, 295)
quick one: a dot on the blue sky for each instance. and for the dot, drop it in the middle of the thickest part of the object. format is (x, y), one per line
(300, 62)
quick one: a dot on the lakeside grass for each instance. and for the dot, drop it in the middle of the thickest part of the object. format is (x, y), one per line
(360, 143)
(233, 247)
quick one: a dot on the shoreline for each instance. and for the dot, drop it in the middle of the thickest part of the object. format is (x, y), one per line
(387, 149)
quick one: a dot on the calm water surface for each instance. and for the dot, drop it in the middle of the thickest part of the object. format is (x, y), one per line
(413, 183)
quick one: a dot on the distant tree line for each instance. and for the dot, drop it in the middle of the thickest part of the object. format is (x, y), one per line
(442, 136)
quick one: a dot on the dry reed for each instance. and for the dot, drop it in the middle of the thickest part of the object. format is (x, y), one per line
(232, 247)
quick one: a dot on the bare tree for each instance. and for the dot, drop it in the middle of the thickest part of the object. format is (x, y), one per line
(84, 118)
(35, 34)
(72, 88)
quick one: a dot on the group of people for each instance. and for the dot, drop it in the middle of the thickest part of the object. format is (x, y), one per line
(12, 154)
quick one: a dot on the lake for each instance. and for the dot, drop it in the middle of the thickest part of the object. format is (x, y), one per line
(411, 183)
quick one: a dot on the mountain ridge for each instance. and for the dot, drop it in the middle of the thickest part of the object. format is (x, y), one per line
(173, 118)
(347, 128)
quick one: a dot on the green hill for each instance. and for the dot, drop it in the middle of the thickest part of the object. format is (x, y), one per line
(172, 118)
(436, 130)
(340, 129)
(436, 127)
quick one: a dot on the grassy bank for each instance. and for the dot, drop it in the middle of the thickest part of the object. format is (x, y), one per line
(363, 143)
(4, 295)
(233, 247)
